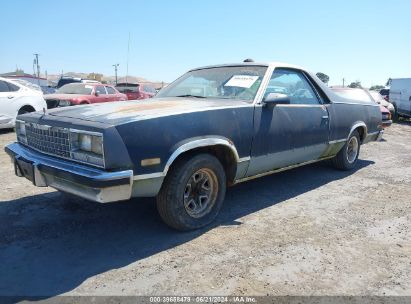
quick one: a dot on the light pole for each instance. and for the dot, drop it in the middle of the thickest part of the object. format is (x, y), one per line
(36, 62)
(115, 70)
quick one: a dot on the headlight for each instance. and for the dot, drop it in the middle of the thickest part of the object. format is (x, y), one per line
(87, 147)
(20, 128)
(21, 131)
(84, 141)
(64, 103)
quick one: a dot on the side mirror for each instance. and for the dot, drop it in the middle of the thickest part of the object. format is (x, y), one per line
(96, 93)
(276, 98)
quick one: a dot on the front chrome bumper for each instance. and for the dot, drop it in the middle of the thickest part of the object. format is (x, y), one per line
(90, 183)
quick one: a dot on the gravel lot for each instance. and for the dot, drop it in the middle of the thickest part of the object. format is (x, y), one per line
(308, 231)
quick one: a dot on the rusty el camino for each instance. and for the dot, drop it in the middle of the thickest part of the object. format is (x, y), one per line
(213, 127)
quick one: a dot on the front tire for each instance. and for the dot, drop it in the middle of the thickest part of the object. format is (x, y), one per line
(347, 158)
(192, 192)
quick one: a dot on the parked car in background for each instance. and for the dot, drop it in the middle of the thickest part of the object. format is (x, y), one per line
(28, 84)
(386, 117)
(400, 96)
(214, 126)
(365, 96)
(83, 93)
(16, 99)
(385, 93)
(67, 79)
(48, 90)
(33, 86)
(378, 98)
(135, 91)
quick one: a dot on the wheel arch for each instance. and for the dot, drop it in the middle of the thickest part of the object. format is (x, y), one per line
(361, 127)
(27, 107)
(220, 147)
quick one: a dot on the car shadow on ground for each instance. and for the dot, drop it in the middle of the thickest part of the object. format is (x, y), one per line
(49, 246)
(6, 131)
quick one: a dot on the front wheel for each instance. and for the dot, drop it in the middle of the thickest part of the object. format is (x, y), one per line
(347, 158)
(192, 193)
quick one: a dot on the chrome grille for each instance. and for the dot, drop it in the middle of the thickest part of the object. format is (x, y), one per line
(51, 140)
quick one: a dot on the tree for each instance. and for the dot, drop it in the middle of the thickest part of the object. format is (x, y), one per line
(323, 77)
(376, 87)
(388, 83)
(356, 84)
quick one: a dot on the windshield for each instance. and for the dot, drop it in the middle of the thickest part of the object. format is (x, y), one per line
(240, 83)
(356, 94)
(130, 88)
(75, 88)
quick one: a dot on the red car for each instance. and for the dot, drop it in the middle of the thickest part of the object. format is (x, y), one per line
(386, 117)
(83, 93)
(135, 91)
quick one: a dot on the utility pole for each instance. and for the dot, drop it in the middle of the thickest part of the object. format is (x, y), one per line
(128, 55)
(36, 62)
(343, 82)
(115, 70)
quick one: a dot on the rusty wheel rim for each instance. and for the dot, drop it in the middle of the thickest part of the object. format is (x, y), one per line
(200, 193)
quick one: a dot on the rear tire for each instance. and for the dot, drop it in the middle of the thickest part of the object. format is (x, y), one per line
(347, 158)
(396, 116)
(192, 193)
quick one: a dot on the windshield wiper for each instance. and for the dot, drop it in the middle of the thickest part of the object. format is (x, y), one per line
(189, 95)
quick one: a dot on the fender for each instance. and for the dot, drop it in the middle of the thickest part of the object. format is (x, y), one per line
(190, 144)
(194, 143)
(357, 125)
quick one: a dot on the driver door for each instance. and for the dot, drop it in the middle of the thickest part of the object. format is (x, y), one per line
(102, 94)
(288, 134)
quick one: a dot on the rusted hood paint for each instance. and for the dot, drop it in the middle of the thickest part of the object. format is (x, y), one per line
(116, 113)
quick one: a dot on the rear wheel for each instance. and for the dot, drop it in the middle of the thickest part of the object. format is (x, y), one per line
(395, 116)
(192, 193)
(347, 158)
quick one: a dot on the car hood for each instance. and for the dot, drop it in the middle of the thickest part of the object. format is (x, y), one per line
(64, 96)
(116, 113)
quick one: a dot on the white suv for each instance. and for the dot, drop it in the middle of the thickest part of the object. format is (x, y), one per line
(16, 99)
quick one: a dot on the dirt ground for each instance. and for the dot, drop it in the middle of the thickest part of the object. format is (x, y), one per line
(308, 231)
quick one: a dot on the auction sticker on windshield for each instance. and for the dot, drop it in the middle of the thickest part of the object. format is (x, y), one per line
(241, 81)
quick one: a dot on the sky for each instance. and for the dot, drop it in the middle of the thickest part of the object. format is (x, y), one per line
(365, 40)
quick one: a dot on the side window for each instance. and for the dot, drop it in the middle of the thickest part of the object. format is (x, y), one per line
(101, 90)
(12, 87)
(110, 90)
(294, 84)
(3, 86)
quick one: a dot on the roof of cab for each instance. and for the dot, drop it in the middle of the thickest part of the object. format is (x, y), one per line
(267, 64)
